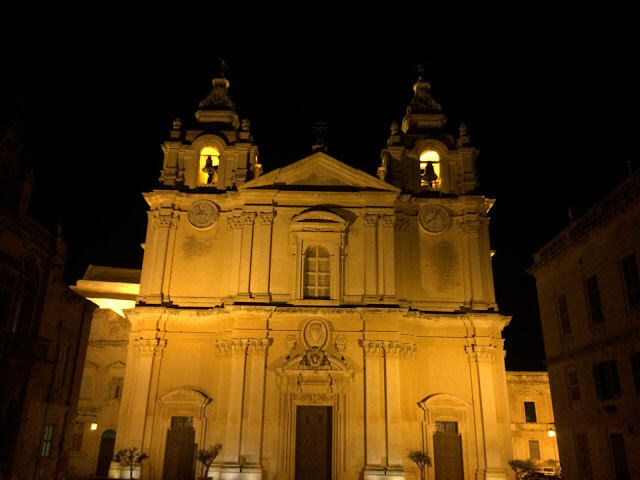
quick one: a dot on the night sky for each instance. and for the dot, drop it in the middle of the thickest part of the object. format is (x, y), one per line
(550, 98)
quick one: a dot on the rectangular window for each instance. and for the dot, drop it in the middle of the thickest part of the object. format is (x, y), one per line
(573, 385)
(582, 456)
(534, 450)
(631, 280)
(47, 440)
(606, 378)
(76, 438)
(593, 297)
(563, 315)
(181, 422)
(619, 455)
(635, 370)
(530, 412)
(115, 390)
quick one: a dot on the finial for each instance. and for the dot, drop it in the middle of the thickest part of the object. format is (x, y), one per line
(420, 70)
(319, 137)
(395, 128)
(223, 68)
(177, 124)
(245, 124)
(463, 138)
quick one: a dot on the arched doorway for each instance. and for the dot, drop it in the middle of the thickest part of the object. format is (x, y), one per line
(105, 454)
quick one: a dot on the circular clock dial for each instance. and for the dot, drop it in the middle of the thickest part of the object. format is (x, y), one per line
(203, 213)
(434, 219)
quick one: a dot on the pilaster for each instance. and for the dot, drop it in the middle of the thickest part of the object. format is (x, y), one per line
(489, 442)
(261, 258)
(246, 247)
(370, 249)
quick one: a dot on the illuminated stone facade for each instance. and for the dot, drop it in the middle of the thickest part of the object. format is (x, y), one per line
(532, 424)
(589, 294)
(319, 286)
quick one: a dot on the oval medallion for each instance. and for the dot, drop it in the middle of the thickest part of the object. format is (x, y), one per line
(315, 334)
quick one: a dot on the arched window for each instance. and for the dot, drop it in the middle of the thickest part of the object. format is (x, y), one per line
(317, 272)
(209, 162)
(430, 169)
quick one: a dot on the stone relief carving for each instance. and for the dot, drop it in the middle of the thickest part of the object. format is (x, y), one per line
(248, 218)
(149, 346)
(234, 221)
(266, 218)
(203, 213)
(388, 221)
(340, 343)
(315, 334)
(482, 352)
(402, 222)
(389, 348)
(370, 220)
(242, 346)
(291, 342)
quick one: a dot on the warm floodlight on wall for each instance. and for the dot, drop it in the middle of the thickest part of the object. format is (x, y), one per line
(94, 426)
(551, 432)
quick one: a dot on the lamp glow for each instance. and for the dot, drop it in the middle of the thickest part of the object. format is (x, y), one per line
(94, 426)
(551, 432)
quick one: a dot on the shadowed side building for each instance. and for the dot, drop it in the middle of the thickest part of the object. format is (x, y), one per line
(44, 328)
(589, 294)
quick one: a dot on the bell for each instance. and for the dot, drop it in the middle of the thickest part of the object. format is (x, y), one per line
(429, 174)
(211, 171)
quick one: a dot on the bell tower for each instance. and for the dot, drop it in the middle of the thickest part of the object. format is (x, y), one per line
(422, 157)
(217, 154)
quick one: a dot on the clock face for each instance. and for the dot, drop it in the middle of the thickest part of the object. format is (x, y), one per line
(203, 213)
(434, 219)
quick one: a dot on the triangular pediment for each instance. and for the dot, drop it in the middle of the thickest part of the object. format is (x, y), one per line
(319, 171)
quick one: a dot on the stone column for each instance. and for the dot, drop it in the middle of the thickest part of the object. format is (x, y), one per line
(370, 249)
(489, 442)
(155, 254)
(253, 422)
(374, 394)
(233, 432)
(233, 264)
(261, 257)
(133, 415)
(246, 247)
(388, 265)
(168, 264)
(393, 351)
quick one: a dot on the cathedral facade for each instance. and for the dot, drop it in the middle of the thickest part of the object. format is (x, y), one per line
(317, 321)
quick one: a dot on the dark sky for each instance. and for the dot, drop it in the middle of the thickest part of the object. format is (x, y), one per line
(550, 98)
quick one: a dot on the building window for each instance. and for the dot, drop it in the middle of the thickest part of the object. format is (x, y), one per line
(181, 422)
(573, 386)
(606, 379)
(430, 170)
(534, 450)
(635, 369)
(76, 438)
(563, 315)
(631, 280)
(593, 297)
(619, 456)
(115, 390)
(47, 440)
(317, 272)
(582, 456)
(530, 412)
(209, 163)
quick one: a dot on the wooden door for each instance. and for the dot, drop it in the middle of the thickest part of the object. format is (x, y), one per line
(179, 455)
(105, 454)
(313, 443)
(447, 448)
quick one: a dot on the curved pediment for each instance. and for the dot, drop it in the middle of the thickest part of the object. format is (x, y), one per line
(319, 172)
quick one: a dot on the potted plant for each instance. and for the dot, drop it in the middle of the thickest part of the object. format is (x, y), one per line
(131, 458)
(207, 457)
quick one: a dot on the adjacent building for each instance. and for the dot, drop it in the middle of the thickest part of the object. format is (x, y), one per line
(532, 425)
(589, 294)
(44, 328)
